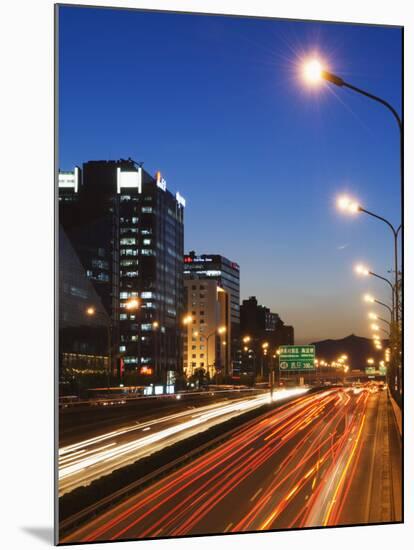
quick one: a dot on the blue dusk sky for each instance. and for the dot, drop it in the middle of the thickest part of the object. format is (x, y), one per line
(219, 106)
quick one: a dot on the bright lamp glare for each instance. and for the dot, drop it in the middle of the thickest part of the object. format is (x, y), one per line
(361, 270)
(312, 71)
(343, 203)
(346, 204)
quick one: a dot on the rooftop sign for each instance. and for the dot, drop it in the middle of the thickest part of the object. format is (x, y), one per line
(131, 180)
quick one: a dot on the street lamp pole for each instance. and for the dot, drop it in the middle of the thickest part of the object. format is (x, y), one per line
(386, 306)
(362, 270)
(395, 232)
(338, 81)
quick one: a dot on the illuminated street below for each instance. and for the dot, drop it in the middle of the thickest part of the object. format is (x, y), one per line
(84, 461)
(322, 459)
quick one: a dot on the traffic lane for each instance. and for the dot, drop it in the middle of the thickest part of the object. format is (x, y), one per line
(83, 422)
(375, 488)
(219, 488)
(83, 462)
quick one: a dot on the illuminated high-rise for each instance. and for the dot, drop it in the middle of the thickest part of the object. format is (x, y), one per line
(127, 229)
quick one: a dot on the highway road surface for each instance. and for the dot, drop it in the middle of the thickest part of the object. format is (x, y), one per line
(84, 461)
(331, 458)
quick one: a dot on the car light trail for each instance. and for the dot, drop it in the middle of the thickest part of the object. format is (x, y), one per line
(291, 467)
(82, 462)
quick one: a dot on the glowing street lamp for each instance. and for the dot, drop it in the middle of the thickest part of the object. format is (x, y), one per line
(348, 205)
(375, 317)
(316, 72)
(361, 269)
(246, 339)
(370, 361)
(371, 300)
(187, 319)
(312, 71)
(351, 206)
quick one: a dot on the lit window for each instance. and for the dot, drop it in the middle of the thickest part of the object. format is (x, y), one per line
(146, 294)
(129, 252)
(130, 360)
(147, 209)
(128, 240)
(146, 241)
(125, 263)
(122, 348)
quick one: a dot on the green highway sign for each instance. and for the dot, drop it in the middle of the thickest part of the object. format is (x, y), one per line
(382, 370)
(369, 370)
(297, 358)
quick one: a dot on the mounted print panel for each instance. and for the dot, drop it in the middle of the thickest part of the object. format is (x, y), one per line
(230, 297)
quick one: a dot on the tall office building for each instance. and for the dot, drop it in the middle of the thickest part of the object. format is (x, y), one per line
(207, 343)
(227, 274)
(127, 229)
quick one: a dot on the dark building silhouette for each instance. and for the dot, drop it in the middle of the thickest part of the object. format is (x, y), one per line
(261, 333)
(127, 229)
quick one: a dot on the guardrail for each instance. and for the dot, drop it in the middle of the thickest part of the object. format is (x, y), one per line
(178, 395)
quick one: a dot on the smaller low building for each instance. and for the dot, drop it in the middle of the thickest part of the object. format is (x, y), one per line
(208, 332)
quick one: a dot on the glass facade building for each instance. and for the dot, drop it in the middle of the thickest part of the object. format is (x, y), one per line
(128, 230)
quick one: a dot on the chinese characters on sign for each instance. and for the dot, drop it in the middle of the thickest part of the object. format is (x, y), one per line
(297, 358)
